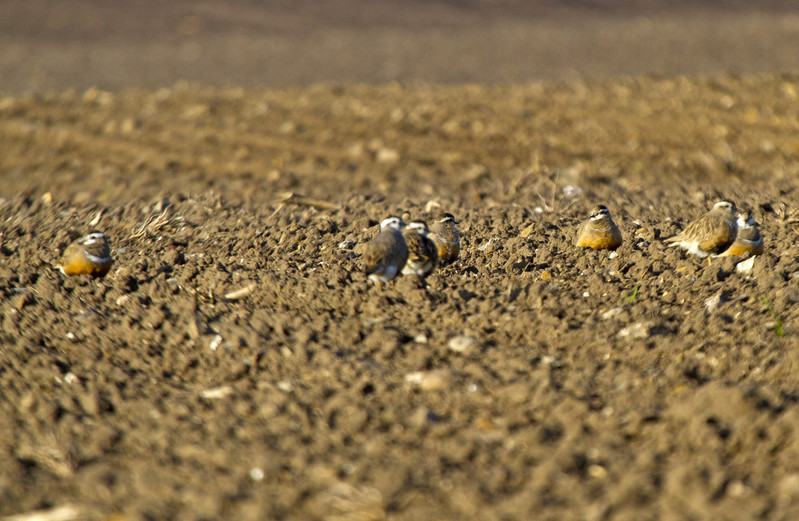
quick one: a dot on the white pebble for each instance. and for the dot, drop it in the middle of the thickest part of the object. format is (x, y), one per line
(257, 474)
(429, 380)
(713, 303)
(285, 385)
(611, 313)
(216, 393)
(638, 330)
(462, 344)
(489, 242)
(744, 266)
(387, 156)
(597, 471)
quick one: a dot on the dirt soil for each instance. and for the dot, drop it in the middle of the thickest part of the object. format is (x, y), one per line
(530, 380)
(53, 46)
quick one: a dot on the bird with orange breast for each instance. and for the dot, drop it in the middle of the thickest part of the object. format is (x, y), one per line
(88, 255)
(748, 239)
(711, 234)
(599, 232)
(446, 237)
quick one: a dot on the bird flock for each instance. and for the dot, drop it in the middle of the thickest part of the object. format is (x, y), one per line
(416, 250)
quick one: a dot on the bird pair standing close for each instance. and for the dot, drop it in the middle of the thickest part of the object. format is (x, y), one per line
(716, 233)
(416, 250)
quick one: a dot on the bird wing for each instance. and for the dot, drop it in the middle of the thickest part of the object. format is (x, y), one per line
(414, 242)
(374, 256)
(718, 238)
(429, 250)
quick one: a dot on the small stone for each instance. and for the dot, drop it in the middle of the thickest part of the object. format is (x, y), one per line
(434, 380)
(745, 266)
(527, 231)
(463, 344)
(421, 417)
(257, 474)
(638, 330)
(387, 156)
(26, 299)
(611, 313)
(736, 488)
(488, 243)
(713, 303)
(788, 488)
(597, 471)
(285, 385)
(216, 393)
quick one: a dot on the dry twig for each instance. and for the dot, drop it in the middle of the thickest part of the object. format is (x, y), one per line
(152, 224)
(240, 293)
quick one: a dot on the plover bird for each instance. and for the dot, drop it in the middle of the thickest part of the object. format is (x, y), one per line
(599, 232)
(711, 234)
(445, 236)
(385, 255)
(422, 252)
(89, 255)
(748, 239)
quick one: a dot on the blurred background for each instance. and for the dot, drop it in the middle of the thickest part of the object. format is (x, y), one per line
(59, 44)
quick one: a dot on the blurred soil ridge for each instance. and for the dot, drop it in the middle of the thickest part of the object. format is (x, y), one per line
(53, 46)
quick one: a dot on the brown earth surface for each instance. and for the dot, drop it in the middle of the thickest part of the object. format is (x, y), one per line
(643, 385)
(53, 46)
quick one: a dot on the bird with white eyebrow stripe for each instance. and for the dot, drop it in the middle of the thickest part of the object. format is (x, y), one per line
(711, 234)
(386, 254)
(88, 255)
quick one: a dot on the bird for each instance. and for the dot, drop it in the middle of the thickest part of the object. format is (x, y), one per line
(422, 252)
(748, 239)
(386, 254)
(711, 234)
(445, 236)
(599, 232)
(88, 255)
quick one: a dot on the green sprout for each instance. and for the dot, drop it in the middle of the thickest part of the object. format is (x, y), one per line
(632, 294)
(777, 319)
